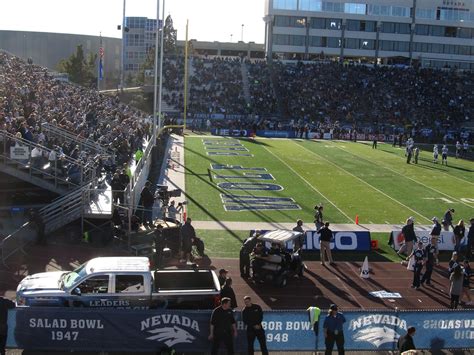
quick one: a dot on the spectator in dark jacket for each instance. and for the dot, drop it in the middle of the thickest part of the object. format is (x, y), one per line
(228, 291)
(187, 234)
(459, 232)
(470, 240)
(448, 219)
(405, 342)
(5, 305)
(408, 232)
(326, 237)
(148, 199)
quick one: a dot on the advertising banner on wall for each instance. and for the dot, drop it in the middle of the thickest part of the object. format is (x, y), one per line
(135, 331)
(343, 241)
(445, 240)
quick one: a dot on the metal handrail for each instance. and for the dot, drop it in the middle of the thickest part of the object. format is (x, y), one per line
(82, 142)
(18, 243)
(87, 170)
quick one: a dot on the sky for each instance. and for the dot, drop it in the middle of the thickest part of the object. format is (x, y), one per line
(209, 20)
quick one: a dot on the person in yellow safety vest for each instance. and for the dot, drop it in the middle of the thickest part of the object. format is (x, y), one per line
(138, 155)
(314, 313)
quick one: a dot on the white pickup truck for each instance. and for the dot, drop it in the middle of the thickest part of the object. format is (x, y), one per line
(121, 282)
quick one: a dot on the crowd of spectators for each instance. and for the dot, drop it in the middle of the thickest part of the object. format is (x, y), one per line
(173, 83)
(388, 95)
(262, 96)
(216, 87)
(329, 96)
(29, 97)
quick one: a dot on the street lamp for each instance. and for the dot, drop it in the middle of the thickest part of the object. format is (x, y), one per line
(231, 35)
(242, 33)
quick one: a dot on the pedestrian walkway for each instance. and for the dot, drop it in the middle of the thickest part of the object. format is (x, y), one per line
(172, 172)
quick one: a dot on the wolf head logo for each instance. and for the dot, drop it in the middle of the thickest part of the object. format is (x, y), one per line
(171, 336)
(377, 335)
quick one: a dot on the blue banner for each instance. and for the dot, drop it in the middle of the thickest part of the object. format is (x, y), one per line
(230, 132)
(127, 330)
(276, 134)
(343, 241)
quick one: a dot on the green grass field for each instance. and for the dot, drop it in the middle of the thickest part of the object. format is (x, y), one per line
(348, 178)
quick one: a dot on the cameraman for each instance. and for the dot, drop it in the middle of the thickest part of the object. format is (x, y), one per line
(172, 211)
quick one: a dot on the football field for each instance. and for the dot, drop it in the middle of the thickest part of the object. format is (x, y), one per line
(281, 180)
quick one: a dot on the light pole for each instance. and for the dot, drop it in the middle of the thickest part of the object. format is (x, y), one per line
(122, 66)
(162, 49)
(231, 35)
(242, 33)
(155, 81)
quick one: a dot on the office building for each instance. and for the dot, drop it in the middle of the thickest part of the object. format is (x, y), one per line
(434, 33)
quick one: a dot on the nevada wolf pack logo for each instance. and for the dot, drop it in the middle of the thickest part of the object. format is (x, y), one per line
(171, 336)
(377, 335)
(377, 329)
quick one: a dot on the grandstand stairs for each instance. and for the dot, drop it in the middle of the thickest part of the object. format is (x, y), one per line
(15, 161)
(245, 82)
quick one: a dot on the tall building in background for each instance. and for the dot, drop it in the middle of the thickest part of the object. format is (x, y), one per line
(139, 39)
(435, 33)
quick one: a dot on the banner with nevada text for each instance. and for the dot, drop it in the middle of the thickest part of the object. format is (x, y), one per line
(130, 330)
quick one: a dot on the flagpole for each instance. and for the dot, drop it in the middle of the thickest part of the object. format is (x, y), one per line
(186, 74)
(98, 63)
(155, 81)
(162, 51)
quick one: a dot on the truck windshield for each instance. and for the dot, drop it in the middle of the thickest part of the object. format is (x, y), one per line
(69, 279)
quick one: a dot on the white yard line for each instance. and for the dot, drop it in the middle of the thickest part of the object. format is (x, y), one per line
(365, 182)
(407, 177)
(310, 185)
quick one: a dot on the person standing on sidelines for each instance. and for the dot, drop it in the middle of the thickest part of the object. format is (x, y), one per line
(252, 316)
(431, 259)
(458, 149)
(467, 273)
(325, 248)
(448, 219)
(405, 342)
(416, 154)
(444, 155)
(419, 255)
(299, 242)
(5, 305)
(459, 232)
(435, 154)
(465, 148)
(409, 235)
(318, 217)
(470, 240)
(223, 327)
(456, 285)
(333, 330)
(435, 229)
(453, 263)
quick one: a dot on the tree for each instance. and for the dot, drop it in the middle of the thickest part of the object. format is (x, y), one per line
(81, 69)
(170, 36)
